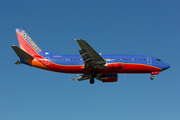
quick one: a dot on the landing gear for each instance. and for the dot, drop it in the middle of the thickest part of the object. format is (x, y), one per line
(152, 77)
(92, 80)
(93, 74)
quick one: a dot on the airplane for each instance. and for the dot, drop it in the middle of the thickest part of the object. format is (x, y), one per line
(89, 63)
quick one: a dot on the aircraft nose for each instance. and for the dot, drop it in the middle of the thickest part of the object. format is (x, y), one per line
(166, 66)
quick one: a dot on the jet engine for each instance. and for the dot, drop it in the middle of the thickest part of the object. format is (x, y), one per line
(108, 78)
(114, 65)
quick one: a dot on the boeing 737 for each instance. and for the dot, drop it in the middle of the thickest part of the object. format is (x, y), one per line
(89, 63)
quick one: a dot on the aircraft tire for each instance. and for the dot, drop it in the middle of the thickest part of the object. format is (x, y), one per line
(92, 80)
(152, 77)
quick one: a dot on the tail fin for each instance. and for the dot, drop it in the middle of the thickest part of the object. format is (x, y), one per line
(26, 43)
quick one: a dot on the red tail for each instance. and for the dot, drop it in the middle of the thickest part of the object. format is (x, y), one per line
(26, 43)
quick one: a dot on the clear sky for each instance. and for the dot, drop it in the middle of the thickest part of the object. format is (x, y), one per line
(138, 27)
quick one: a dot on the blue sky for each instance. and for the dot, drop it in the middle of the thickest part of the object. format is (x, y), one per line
(138, 27)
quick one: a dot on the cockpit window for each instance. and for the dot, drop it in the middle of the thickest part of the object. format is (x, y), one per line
(158, 59)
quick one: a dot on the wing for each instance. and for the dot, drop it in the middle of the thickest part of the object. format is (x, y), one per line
(90, 56)
(83, 77)
(91, 59)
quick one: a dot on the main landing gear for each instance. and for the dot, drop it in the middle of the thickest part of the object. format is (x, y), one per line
(93, 76)
(154, 73)
(92, 80)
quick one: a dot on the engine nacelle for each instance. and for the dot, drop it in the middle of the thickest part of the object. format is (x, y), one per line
(108, 78)
(114, 65)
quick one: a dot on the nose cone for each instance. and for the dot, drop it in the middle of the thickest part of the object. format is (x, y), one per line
(165, 66)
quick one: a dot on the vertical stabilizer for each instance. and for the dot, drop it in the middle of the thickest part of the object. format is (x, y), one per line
(26, 43)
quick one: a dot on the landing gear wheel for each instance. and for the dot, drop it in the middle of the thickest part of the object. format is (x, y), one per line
(152, 77)
(92, 80)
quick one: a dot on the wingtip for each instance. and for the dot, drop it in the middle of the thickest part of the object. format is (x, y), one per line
(79, 39)
(72, 80)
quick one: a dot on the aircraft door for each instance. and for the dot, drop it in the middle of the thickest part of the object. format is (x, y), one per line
(149, 60)
(47, 60)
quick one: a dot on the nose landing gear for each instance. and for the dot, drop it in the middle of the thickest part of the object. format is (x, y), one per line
(154, 73)
(152, 77)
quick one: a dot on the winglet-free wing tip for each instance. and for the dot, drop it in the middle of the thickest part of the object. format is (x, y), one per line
(72, 80)
(79, 39)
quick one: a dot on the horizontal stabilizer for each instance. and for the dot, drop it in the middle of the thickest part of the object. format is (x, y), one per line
(17, 63)
(20, 53)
